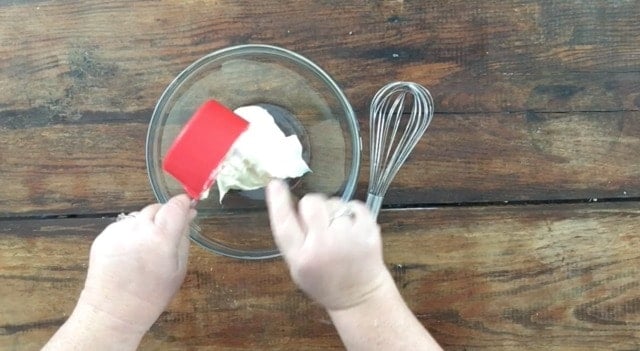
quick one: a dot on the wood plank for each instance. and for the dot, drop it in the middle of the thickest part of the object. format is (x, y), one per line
(523, 157)
(100, 167)
(544, 277)
(75, 169)
(535, 100)
(71, 58)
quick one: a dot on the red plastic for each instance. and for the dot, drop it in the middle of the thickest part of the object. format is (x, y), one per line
(202, 145)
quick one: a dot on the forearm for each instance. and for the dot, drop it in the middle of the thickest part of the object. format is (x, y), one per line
(383, 322)
(89, 328)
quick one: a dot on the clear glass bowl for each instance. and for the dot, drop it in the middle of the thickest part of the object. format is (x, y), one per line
(304, 101)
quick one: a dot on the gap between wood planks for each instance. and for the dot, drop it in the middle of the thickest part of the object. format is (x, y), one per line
(413, 206)
(511, 203)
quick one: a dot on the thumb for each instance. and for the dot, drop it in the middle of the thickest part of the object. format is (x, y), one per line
(285, 224)
(173, 217)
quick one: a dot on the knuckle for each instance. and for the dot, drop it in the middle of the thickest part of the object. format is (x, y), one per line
(310, 203)
(312, 200)
(358, 206)
(357, 203)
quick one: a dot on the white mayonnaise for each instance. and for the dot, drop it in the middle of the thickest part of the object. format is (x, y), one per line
(261, 153)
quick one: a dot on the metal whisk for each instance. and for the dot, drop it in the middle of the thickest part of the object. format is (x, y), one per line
(399, 115)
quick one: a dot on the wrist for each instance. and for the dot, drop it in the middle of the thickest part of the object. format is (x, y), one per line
(97, 321)
(120, 308)
(383, 320)
(89, 328)
(382, 292)
(103, 321)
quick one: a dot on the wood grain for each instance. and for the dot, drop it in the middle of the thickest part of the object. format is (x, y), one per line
(535, 100)
(552, 277)
(98, 167)
(489, 56)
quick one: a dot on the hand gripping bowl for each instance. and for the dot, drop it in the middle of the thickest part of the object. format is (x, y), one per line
(303, 100)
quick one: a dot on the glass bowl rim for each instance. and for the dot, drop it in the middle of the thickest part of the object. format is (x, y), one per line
(240, 50)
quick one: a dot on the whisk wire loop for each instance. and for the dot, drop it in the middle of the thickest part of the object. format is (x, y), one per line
(399, 115)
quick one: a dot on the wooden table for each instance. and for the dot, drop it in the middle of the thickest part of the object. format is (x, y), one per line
(515, 224)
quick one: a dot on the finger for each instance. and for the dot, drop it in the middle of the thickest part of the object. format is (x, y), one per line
(314, 212)
(339, 212)
(360, 211)
(287, 231)
(362, 218)
(127, 216)
(334, 204)
(183, 250)
(173, 216)
(149, 212)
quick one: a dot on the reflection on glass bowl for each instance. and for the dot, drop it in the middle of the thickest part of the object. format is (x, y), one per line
(304, 101)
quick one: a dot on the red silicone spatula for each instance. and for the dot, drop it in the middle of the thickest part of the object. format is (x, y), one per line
(202, 145)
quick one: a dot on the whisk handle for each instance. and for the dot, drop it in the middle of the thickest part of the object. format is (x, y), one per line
(374, 202)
